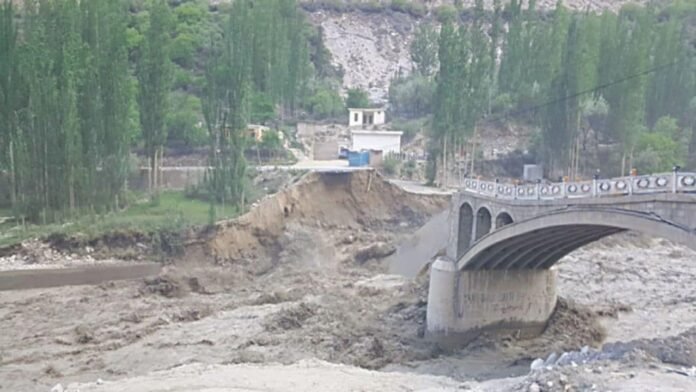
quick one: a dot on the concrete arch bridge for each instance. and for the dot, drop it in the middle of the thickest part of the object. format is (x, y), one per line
(503, 240)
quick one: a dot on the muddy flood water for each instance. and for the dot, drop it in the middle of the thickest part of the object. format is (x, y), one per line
(295, 297)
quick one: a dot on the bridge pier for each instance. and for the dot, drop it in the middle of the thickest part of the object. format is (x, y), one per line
(464, 304)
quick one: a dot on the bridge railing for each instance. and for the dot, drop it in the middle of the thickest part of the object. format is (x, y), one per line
(675, 182)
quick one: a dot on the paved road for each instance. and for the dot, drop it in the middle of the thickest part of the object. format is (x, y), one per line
(417, 187)
(314, 166)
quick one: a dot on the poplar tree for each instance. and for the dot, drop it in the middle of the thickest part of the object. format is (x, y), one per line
(153, 70)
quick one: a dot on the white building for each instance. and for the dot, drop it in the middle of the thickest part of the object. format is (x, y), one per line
(365, 117)
(386, 141)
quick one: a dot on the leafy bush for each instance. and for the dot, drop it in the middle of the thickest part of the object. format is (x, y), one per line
(390, 166)
(412, 97)
(357, 98)
(328, 5)
(182, 79)
(182, 50)
(325, 103)
(183, 122)
(445, 13)
(408, 169)
(412, 8)
(410, 128)
(262, 108)
(372, 6)
(271, 141)
(502, 103)
(659, 150)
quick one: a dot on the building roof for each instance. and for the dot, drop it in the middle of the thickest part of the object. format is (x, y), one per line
(257, 126)
(366, 109)
(383, 133)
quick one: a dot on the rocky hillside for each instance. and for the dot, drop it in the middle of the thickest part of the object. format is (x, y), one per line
(370, 47)
(370, 40)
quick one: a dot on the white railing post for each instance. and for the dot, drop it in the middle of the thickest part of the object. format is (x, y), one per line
(538, 190)
(514, 197)
(675, 177)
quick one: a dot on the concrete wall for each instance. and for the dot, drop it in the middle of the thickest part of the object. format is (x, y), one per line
(387, 142)
(464, 304)
(325, 151)
(175, 178)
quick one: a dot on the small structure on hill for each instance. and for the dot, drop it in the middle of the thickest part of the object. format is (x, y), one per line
(256, 132)
(533, 173)
(361, 117)
(389, 142)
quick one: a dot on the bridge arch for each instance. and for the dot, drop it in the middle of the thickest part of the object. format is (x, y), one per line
(466, 224)
(483, 222)
(540, 242)
(503, 219)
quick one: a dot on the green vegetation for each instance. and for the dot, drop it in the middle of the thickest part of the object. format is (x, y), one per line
(415, 8)
(82, 83)
(614, 78)
(357, 98)
(411, 97)
(424, 49)
(391, 166)
(173, 212)
(65, 106)
(326, 103)
(153, 70)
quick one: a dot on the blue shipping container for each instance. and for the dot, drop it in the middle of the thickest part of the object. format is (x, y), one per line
(358, 158)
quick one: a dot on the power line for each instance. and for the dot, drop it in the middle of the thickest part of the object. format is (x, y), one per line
(577, 94)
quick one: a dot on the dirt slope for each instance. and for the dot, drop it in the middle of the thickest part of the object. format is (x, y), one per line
(337, 210)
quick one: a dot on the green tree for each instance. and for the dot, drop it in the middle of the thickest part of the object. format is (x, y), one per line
(154, 72)
(357, 98)
(424, 49)
(411, 97)
(226, 105)
(326, 103)
(661, 149)
(11, 91)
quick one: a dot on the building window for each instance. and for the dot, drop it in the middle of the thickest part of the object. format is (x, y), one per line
(355, 117)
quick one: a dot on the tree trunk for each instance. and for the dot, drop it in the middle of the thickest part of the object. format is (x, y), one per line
(691, 161)
(444, 162)
(473, 153)
(150, 165)
(577, 159)
(13, 178)
(160, 175)
(71, 191)
(155, 172)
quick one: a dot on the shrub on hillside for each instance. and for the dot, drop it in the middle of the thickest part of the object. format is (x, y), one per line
(412, 97)
(410, 7)
(373, 6)
(390, 166)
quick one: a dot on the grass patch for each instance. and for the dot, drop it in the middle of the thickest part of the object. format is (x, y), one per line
(173, 212)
